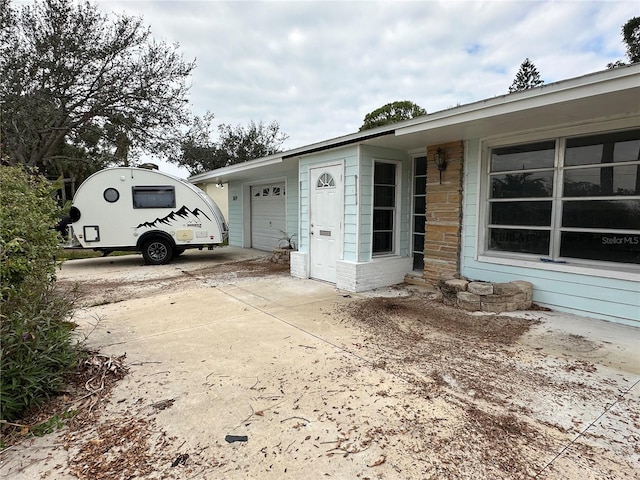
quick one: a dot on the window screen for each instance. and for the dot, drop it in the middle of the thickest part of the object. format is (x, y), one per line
(163, 196)
(384, 210)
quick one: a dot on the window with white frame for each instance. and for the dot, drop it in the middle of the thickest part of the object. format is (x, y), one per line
(384, 207)
(419, 211)
(566, 199)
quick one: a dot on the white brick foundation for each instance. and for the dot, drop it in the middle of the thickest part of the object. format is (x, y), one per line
(358, 277)
(298, 264)
(381, 272)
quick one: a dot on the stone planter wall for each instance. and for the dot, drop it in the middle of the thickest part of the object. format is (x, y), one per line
(487, 296)
(281, 256)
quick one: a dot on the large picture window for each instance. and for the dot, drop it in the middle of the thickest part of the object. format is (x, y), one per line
(567, 198)
(154, 197)
(384, 207)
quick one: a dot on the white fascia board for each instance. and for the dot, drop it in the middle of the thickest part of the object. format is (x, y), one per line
(236, 168)
(545, 95)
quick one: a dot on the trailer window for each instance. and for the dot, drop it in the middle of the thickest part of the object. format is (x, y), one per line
(154, 197)
(111, 195)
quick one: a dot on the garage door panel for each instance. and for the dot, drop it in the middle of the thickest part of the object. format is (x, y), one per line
(268, 220)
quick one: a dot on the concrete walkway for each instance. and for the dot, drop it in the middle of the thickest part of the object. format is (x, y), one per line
(269, 359)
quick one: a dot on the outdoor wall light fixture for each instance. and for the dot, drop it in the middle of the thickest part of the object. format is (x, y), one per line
(219, 185)
(441, 161)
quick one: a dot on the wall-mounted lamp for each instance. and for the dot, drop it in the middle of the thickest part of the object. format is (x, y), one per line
(441, 161)
(219, 185)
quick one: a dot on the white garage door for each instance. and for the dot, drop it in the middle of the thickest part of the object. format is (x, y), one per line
(267, 216)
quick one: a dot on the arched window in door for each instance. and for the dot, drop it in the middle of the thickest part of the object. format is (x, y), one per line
(325, 181)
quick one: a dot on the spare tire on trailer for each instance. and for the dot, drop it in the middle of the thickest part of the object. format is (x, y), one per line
(157, 251)
(74, 214)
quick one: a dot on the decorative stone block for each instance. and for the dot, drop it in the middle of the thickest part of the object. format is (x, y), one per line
(520, 300)
(449, 286)
(495, 298)
(468, 301)
(505, 289)
(469, 306)
(445, 277)
(281, 256)
(468, 297)
(526, 288)
(457, 285)
(480, 288)
(493, 307)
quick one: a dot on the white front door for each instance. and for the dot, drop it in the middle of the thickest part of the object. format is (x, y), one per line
(325, 221)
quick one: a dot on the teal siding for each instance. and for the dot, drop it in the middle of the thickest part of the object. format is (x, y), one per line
(580, 293)
(358, 194)
(292, 205)
(366, 209)
(469, 208)
(238, 207)
(348, 156)
(303, 219)
(350, 246)
(369, 155)
(598, 297)
(405, 212)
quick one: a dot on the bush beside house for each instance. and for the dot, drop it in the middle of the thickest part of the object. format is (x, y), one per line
(36, 344)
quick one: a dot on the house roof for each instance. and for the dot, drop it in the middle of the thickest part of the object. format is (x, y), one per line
(610, 93)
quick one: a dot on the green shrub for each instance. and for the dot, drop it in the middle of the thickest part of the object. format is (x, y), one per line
(37, 349)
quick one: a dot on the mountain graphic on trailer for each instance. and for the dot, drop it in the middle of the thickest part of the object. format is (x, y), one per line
(183, 213)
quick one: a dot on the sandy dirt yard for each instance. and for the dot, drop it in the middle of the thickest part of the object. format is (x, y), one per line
(234, 370)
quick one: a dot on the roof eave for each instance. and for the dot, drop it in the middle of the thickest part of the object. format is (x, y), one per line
(236, 168)
(617, 79)
(579, 87)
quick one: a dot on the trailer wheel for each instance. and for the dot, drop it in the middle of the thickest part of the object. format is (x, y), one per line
(157, 251)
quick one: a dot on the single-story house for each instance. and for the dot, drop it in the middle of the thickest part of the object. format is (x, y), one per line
(541, 185)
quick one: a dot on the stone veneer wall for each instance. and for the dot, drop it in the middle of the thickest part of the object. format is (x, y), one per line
(443, 214)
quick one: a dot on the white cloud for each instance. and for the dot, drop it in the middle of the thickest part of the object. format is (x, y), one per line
(318, 67)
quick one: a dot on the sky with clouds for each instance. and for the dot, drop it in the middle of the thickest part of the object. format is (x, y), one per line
(317, 68)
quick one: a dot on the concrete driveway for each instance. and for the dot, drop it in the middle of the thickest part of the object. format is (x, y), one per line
(280, 361)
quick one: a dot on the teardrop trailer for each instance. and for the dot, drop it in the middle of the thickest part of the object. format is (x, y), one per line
(145, 210)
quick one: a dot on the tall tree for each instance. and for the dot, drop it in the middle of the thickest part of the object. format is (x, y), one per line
(80, 87)
(391, 113)
(631, 37)
(527, 77)
(199, 153)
